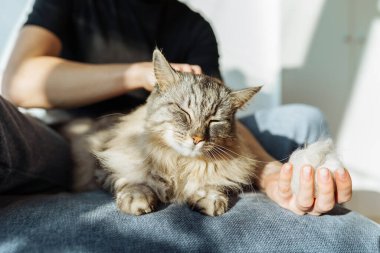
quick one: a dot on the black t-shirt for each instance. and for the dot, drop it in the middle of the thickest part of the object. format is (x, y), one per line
(126, 31)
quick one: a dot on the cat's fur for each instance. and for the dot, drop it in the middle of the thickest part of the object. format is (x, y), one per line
(320, 154)
(180, 147)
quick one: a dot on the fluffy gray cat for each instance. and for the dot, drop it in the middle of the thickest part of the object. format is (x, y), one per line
(181, 146)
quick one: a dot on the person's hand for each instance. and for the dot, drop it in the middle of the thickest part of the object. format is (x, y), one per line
(332, 189)
(141, 75)
(195, 69)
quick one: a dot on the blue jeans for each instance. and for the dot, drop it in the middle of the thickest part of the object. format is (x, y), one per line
(90, 222)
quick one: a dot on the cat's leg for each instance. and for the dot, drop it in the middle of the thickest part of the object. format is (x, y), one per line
(209, 200)
(129, 183)
(163, 186)
(135, 199)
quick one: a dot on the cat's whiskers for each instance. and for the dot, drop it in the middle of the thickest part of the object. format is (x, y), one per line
(214, 159)
(211, 156)
(208, 156)
(214, 155)
(218, 151)
(224, 152)
(233, 152)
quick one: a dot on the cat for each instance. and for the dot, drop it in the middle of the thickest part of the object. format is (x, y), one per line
(180, 147)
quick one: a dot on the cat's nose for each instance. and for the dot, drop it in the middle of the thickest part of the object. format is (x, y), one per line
(197, 139)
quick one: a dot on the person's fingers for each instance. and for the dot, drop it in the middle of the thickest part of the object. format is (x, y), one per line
(343, 185)
(284, 182)
(305, 194)
(176, 66)
(186, 68)
(325, 200)
(196, 69)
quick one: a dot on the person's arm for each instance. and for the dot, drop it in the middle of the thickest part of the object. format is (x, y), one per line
(36, 77)
(274, 179)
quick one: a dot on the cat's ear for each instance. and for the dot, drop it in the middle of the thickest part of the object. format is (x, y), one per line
(241, 97)
(164, 73)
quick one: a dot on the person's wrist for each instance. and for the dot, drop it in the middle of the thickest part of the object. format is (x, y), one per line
(132, 77)
(268, 181)
(270, 174)
(136, 76)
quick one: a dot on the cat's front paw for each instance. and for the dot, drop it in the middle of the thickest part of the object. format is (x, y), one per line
(136, 199)
(209, 202)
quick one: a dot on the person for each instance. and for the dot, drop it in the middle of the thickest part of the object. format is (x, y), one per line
(92, 58)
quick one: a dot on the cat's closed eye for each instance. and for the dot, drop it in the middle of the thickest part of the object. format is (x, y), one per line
(186, 114)
(217, 122)
(183, 114)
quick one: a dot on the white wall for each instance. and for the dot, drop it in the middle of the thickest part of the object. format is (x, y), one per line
(248, 34)
(331, 59)
(359, 135)
(12, 15)
(316, 57)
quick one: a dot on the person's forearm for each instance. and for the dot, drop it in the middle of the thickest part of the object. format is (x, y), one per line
(267, 166)
(49, 82)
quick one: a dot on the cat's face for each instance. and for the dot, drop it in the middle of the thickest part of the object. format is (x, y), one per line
(193, 114)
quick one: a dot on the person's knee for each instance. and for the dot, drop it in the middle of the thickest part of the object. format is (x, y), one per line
(308, 121)
(308, 113)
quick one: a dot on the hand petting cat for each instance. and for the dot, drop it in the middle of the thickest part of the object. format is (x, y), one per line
(141, 73)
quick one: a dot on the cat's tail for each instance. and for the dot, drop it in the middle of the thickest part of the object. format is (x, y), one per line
(84, 165)
(320, 154)
(313, 154)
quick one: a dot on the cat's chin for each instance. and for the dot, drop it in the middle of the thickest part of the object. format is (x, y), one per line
(185, 148)
(186, 151)
(190, 153)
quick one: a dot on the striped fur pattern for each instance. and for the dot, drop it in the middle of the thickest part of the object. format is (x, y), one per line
(181, 146)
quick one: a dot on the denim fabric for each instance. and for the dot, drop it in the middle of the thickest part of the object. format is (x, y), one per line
(90, 222)
(283, 129)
